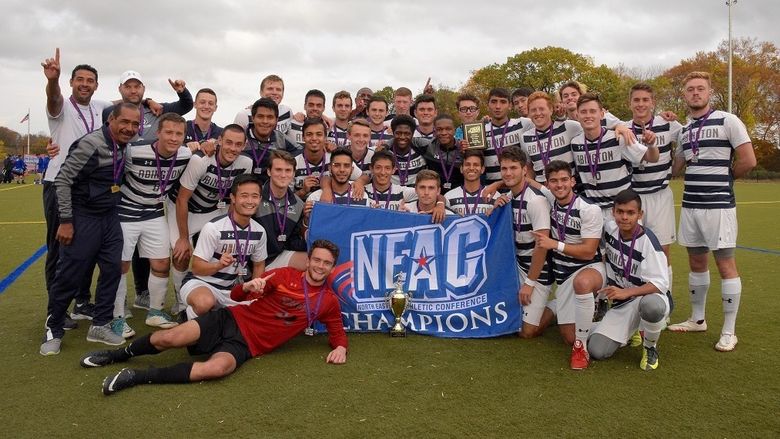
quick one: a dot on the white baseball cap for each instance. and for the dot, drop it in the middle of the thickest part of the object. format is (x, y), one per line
(128, 75)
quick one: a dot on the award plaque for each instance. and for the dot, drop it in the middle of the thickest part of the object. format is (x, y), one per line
(474, 134)
(398, 301)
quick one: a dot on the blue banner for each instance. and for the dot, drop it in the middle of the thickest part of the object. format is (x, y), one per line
(462, 274)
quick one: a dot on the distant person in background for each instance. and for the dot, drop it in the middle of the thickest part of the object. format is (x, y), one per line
(19, 170)
(43, 163)
(520, 100)
(8, 166)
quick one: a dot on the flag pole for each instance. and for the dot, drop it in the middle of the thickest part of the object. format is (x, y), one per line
(28, 130)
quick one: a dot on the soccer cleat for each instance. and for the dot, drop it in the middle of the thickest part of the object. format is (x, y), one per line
(50, 346)
(160, 319)
(119, 381)
(636, 339)
(579, 356)
(141, 300)
(83, 311)
(104, 334)
(96, 359)
(688, 326)
(649, 359)
(727, 343)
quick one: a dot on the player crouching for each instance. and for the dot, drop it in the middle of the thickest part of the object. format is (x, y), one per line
(638, 284)
(237, 333)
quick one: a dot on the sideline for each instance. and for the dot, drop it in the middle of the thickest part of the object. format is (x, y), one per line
(18, 186)
(759, 250)
(13, 223)
(8, 280)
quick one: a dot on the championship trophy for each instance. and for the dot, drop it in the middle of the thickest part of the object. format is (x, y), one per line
(398, 301)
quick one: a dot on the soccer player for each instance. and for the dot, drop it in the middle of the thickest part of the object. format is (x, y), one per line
(651, 181)
(313, 165)
(530, 219)
(201, 129)
(233, 335)
(402, 103)
(500, 132)
(202, 195)
(271, 87)
(520, 100)
(408, 150)
(637, 284)
(342, 169)
(468, 112)
(601, 158)
(150, 173)
(443, 155)
(68, 122)
(359, 139)
(425, 112)
(226, 246)
(377, 110)
(549, 140)
(576, 229)
(89, 231)
(382, 192)
(708, 219)
(262, 137)
(313, 105)
(281, 214)
(342, 108)
(570, 93)
(468, 199)
(427, 187)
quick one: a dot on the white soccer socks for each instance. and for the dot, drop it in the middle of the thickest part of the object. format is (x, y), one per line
(731, 291)
(698, 284)
(584, 306)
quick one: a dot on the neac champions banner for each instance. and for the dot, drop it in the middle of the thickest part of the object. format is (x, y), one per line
(461, 274)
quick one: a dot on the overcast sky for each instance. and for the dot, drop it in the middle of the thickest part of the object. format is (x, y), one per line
(229, 45)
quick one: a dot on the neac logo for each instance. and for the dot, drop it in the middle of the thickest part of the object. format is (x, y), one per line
(440, 264)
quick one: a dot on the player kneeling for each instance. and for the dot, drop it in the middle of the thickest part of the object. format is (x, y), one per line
(235, 334)
(638, 284)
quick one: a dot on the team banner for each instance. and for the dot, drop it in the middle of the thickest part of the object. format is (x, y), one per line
(461, 274)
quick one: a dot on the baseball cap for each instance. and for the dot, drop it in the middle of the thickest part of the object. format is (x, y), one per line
(128, 75)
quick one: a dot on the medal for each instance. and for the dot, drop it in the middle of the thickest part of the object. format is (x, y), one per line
(242, 253)
(447, 185)
(593, 165)
(258, 170)
(221, 205)
(281, 217)
(695, 158)
(161, 199)
(642, 166)
(281, 238)
(309, 331)
(114, 188)
(311, 315)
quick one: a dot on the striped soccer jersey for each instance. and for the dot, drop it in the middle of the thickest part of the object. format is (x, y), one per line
(221, 235)
(471, 203)
(498, 138)
(338, 136)
(648, 178)
(629, 267)
(382, 136)
(409, 164)
(281, 218)
(341, 198)
(304, 168)
(530, 212)
(148, 180)
(193, 133)
(571, 224)
(708, 180)
(210, 182)
(604, 165)
(551, 144)
(259, 151)
(391, 198)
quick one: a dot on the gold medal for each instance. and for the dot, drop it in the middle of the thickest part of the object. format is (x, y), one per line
(114, 188)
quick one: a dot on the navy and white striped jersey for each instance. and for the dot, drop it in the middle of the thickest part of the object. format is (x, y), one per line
(498, 138)
(708, 180)
(391, 198)
(545, 146)
(605, 170)
(219, 236)
(341, 198)
(653, 177)
(465, 203)
(419, 134)
(364, 163)
(627, 267)
(207, 181)
(582, 220)
(338, 136)
(295, 134)
(148, 180)
(385, 135)
(530, 212)
(304, 168)
(409, 164)
(193, 133)
(259, 151)
(244, 118)
(281, 217)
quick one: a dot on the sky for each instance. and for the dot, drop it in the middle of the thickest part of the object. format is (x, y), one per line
(230, 45)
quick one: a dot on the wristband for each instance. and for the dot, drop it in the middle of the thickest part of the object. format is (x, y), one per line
(529, 282)
(561, 246)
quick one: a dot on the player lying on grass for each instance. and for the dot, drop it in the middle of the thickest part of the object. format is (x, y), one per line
(285, 302)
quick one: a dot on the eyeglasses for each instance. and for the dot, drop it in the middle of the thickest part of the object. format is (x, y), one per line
(468, 109)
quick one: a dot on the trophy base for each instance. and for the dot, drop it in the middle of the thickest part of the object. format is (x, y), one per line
(397, 331)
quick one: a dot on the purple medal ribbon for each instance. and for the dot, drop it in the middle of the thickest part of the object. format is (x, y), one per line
(545, 153)
(336, 137)
(562, 227)
(195, 130)
(695, 142)
(242, 255)
(639, 128)
(91, 127)
(221, 190)
(593, 165)
(119, 165)
(163, 181)
(310, 316)
(387, 199)
(446, 173)
(281, 218)
(499, 147)
(476, 201)
(254, 149)
(625, 263)
(308, 168)
(403, 174)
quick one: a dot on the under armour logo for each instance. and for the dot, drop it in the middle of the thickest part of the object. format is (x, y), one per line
(729, 300)
(583, 330)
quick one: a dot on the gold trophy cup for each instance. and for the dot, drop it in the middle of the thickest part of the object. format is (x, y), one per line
(398, 301)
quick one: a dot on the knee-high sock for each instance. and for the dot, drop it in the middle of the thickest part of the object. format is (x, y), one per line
(158, 289)
(731, 291)
(121, 294)
(584, 305)
(651, 331)
(176, 374)
(178, 278)
(698, 284)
